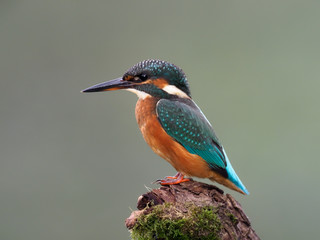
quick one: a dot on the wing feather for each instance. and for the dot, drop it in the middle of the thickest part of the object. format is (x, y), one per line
(185, 122)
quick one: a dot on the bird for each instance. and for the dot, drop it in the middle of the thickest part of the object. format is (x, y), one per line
(173, 125)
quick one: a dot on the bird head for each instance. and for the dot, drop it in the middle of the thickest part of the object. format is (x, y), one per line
(155, 78)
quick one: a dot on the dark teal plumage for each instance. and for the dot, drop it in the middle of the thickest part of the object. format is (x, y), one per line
(184, 121)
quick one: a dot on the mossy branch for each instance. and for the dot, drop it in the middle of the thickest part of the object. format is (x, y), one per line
(190, 210)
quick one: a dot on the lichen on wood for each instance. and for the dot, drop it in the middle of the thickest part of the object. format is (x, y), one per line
(190, 210)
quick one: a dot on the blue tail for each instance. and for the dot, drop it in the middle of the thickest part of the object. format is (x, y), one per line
(232, 176)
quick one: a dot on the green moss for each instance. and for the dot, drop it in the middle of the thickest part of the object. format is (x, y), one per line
(171, 222)
(233, 218)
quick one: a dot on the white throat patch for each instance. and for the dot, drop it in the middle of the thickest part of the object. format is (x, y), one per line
(171, 89)
(140, 94)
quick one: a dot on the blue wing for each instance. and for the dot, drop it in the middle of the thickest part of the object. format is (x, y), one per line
(184, 121)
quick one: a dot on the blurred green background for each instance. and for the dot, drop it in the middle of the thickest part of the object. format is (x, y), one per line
(72, 165)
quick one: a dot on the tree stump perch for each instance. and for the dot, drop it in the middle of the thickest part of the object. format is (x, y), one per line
(190, 210)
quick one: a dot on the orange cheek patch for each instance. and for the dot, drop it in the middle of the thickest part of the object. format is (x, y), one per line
(160, 82)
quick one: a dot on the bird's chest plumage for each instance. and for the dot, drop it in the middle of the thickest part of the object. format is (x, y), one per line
(164, 145)
(150, 127)
(146, 113)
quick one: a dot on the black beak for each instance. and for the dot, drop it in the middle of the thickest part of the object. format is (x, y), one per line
(114, 84)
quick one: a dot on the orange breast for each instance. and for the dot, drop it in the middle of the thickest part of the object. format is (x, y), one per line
(164, 145)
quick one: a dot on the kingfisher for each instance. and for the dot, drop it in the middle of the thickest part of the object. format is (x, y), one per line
(173, 125)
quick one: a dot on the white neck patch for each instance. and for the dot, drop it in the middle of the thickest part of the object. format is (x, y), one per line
(140, 94)
(171, 89)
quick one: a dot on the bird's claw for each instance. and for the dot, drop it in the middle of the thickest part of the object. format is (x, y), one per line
(178, 178)
(157, 181)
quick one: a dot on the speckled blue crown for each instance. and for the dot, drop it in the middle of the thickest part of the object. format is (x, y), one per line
(161, 69)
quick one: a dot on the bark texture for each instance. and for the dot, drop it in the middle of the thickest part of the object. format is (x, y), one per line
(176, 200)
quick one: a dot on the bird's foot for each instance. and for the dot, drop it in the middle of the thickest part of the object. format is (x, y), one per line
(178, 178)
(173, 177)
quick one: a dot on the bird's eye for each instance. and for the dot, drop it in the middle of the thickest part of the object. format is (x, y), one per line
(138, 78)
(143, 77)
